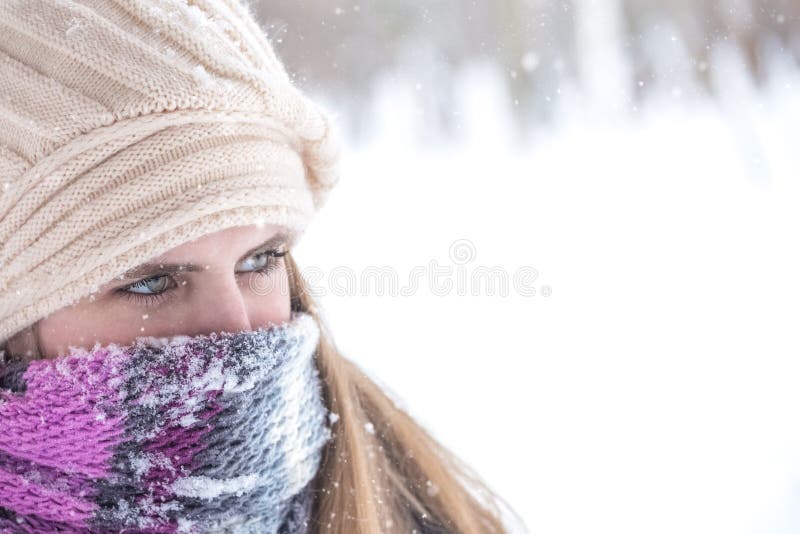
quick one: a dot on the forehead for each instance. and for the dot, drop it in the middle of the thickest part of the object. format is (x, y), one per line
(222, 241)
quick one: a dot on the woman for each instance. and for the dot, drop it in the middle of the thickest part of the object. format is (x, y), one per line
(157, 166)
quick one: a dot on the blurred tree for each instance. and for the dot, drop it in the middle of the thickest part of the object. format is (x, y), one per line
(340, 49)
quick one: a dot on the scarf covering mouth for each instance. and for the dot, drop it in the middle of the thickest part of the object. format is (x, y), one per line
(209, 433)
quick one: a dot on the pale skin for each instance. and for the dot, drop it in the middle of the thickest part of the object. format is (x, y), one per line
(234, 288)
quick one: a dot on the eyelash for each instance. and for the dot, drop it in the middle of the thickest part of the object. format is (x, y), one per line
(152, 300)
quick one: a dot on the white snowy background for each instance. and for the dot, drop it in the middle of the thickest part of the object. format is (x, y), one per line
(650, 381)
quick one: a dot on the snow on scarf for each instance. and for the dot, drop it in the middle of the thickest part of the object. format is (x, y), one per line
(208, 433)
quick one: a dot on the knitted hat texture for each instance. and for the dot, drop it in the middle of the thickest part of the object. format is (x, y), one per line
(129, 127)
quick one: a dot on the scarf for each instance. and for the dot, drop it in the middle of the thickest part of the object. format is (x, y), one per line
(208, 433)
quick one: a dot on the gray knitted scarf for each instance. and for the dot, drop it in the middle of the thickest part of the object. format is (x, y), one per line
(209, 433)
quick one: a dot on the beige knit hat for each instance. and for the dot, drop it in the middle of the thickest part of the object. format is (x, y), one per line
(128, 127)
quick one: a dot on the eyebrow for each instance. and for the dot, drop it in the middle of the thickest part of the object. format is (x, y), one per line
(147, 270)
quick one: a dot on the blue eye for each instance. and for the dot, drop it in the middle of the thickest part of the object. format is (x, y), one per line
(268, 261)
(263, 261)
(155, 288)
(160, 293)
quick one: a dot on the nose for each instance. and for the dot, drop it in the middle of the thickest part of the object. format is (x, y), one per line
(219, 307)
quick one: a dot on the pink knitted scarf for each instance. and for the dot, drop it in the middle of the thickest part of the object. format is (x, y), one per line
(219, 432)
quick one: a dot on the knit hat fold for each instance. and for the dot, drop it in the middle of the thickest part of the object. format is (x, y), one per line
(130, 127)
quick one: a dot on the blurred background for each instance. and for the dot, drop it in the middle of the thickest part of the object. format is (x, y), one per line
(565, 237)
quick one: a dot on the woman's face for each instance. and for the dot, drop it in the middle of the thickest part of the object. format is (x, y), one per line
(229, 281)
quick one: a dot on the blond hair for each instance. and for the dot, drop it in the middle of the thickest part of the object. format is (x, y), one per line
(396, 477)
